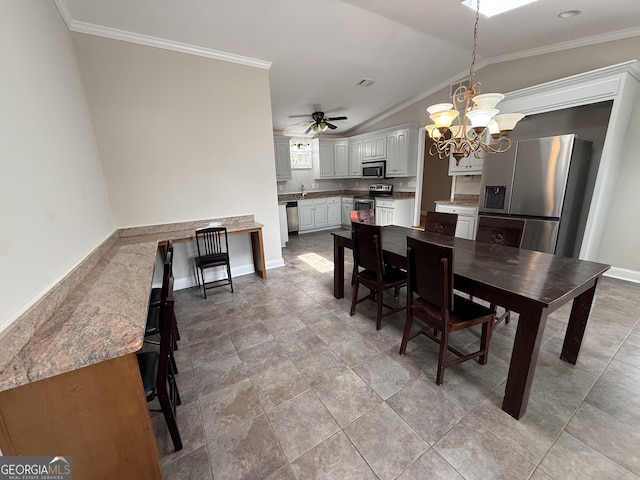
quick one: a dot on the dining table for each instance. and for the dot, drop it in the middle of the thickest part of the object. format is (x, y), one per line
(532, 283)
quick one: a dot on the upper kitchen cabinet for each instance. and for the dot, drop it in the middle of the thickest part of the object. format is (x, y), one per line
(283, 158)
(402, 153)
(467, 166)
(332, 157)
(355, 158)
(374, 147)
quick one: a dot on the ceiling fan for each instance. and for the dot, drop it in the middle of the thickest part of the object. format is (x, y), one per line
(320, 122)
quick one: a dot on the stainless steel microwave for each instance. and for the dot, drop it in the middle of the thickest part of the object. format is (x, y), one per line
(376, 169)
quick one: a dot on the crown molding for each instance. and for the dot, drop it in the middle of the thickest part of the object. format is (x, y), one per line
(558, 47)
(149, 41)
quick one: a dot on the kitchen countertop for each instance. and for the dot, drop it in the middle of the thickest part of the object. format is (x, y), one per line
(98, 311)
(292, 197)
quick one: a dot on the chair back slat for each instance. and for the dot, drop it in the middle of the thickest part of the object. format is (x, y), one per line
(367, 247)
(212, 241)
(430, 272)
(440, 222)
(500, 231)
(167, 318)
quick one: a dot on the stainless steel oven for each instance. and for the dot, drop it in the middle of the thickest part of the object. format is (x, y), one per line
(363, 203)
(376, 169)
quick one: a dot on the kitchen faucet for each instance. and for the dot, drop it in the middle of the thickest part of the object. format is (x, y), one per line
(303, 193)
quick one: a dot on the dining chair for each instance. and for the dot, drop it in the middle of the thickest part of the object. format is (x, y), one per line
(501, 231)
(363, 216)
(165, 248)
(213, 251)
(440, 222)
(431, 299)
(375, 275)
(158, 378)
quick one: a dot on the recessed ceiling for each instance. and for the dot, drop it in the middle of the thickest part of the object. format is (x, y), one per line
(319, 51)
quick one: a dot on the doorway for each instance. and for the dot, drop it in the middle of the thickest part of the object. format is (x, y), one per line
(436, 182)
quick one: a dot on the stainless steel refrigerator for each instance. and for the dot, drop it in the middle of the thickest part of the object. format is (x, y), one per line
(543, 181)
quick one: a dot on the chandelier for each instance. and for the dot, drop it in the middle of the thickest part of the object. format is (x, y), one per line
(460, 128)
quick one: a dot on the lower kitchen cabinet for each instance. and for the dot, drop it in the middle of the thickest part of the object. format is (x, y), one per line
(318, 214)
(395, 212)
(467, 215)
(347, 207)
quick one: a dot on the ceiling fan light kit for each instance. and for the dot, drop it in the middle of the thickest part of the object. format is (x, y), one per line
(471, 124)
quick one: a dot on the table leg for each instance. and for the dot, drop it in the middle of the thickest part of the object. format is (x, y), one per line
(338, 268)
(577, 325)
(257, 248)
(523, 360)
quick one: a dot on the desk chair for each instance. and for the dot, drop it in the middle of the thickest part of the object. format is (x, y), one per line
(213, 251)
(376, 276)
(439, 222)
(500, 231)
(430, 299)
(155, 369)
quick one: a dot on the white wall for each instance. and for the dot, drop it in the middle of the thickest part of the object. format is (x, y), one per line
(55, 208)
(182, 137)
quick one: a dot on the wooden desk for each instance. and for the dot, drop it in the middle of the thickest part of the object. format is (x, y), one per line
(531, 283)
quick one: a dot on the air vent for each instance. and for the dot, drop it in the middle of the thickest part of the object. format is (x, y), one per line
(365, 82)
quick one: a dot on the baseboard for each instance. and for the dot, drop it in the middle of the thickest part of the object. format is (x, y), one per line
(211, 275)
(623, 274)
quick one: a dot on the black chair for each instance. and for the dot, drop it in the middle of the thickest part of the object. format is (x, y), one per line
(158, 378)
(439, 222)
(213, 251)
(430, 299)
(501, 231)
(166, 251)
(376, 276)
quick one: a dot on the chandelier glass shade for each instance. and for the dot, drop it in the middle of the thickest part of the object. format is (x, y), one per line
(471, 124)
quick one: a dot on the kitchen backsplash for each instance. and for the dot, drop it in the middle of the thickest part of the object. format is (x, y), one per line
(312, 184)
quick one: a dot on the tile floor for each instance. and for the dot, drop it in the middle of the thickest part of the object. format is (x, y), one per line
(279, 382)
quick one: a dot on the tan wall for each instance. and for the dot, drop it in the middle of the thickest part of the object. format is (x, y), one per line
(181, 137)
(55, 208)
(617, 247)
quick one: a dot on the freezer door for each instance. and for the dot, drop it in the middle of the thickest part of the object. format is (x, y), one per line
(540, 235)
(540, 176)
(497, 175)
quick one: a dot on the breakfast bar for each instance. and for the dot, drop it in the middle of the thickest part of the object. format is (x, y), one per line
(69, 378)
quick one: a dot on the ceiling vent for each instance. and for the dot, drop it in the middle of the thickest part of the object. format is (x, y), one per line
(365, 82)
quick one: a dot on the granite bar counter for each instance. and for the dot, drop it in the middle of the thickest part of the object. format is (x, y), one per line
(69, 378)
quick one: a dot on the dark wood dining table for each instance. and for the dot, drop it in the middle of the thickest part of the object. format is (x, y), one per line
(532, 283)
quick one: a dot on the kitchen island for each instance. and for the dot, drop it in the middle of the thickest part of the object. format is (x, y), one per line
(69, 378)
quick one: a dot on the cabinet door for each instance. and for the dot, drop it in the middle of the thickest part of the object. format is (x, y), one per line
(465, 228)
(398, 153)
(326, 156)
(467, 166)
(384, 216)
(283, 159)
(305, 216)
(355, 159)
(374, 148)
(320, 215)
(333, 213)
(346, 214)
(341, 159)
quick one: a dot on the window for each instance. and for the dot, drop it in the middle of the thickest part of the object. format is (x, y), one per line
(300, 149)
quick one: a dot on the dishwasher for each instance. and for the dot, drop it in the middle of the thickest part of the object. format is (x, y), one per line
(293, 223)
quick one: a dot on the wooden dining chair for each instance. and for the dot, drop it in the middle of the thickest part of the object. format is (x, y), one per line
(501, 231)
(158, 378)
(213, 251)
(431, 299)
(375, 275)
(440, 222)
(363, 216)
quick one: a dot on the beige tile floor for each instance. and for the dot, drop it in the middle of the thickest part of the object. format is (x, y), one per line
(279, 382)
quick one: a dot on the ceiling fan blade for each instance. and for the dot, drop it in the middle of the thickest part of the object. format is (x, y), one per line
(300, 116)
(308, 129)
(330, 125)
(332, 119)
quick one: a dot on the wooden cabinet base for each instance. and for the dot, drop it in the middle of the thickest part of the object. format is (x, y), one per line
(97, 415)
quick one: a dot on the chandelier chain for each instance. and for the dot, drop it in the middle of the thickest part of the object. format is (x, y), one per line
(472, 73)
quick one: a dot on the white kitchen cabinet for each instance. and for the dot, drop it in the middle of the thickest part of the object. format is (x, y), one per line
(346, 208)
(332, 158)
(283, 158)
(467, 166)
(395, 212)
(318, 214)
(374, 147)
(402, 153)
(355, 158)
(467, 217)
(384, 215)
(284, 231)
